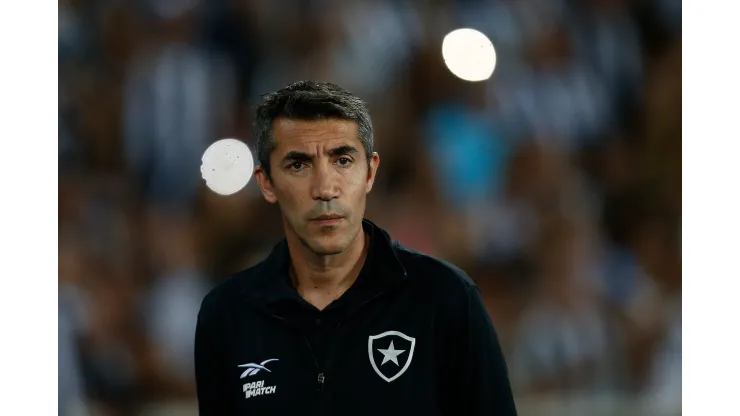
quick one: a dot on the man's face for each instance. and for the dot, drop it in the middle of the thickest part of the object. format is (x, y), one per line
(320, 178)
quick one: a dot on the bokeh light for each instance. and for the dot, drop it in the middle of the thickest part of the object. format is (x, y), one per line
(227, 166)
(469, 54)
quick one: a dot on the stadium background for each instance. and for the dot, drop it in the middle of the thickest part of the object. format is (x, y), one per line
(556, 184)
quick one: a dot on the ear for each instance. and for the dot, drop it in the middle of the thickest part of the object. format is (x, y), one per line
(373, 169)
(268, 192)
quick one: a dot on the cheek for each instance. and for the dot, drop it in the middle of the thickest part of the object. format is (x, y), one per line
(356, 186)
(360, 176)
(290, 199)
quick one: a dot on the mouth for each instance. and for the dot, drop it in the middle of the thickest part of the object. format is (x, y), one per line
(327, 219)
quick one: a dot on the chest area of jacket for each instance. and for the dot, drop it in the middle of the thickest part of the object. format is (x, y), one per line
(388, 349)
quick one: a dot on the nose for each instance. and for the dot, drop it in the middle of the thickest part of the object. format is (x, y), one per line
(325, 184)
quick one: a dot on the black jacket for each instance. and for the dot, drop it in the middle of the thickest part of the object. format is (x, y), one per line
(410, 337)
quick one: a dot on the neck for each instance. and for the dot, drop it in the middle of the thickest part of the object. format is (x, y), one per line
(326, 277)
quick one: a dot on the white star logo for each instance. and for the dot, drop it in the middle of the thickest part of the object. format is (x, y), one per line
(390, 354)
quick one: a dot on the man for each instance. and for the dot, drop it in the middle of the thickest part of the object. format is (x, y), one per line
(339, 319)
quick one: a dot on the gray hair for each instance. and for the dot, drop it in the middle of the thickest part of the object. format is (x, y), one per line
(309, 100)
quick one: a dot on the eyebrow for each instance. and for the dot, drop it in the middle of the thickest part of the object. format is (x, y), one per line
(342, 150)
(305, 157)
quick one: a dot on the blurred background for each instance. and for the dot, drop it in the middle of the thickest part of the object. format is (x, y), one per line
(556, 183)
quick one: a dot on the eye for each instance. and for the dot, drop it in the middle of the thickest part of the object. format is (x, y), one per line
(296, 166)
(344, 161)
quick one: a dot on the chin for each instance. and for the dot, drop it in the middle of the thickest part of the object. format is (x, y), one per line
(327, 247)
(327, 251)
(326, 244)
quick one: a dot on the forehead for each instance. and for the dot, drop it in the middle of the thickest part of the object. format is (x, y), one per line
(291, 134)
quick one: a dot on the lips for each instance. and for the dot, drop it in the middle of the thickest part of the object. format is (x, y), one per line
(328, 217)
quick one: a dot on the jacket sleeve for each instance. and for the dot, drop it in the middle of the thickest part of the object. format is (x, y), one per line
(482, 367)
(210, 377)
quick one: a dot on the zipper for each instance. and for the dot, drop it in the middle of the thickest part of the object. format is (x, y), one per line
(321, 378)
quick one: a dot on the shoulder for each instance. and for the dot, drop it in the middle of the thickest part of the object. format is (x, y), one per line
(438, 275)
(446, 289)
(233, 289)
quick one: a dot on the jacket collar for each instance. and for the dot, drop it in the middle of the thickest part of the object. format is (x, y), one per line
(382, 270)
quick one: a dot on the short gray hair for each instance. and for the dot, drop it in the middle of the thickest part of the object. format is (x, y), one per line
(309, 100)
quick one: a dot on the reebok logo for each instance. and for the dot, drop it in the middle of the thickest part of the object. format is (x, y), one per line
(256, 388)
(253, 369)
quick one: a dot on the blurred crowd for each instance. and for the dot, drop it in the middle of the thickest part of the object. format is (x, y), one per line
(556, 184)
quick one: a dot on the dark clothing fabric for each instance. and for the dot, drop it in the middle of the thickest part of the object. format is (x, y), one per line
(410, 337)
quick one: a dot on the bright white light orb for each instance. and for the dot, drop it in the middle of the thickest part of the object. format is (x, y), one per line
(469, 54)
(227, 166)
